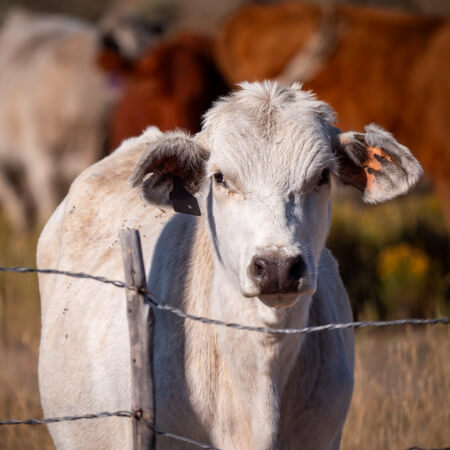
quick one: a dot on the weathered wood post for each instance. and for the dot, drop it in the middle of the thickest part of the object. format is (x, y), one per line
(140, 326)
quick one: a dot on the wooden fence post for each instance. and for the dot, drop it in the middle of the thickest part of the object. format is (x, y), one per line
(140, 326)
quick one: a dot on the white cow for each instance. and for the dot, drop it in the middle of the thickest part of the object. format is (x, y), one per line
(261, 170)
(54, 104)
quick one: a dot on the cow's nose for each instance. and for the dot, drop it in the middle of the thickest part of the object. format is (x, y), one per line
(277, 275)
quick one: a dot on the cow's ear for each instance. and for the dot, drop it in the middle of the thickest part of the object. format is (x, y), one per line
(171, 171)
(375, 163)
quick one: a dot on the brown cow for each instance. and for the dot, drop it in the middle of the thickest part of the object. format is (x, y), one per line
(170, 87)
(370, 65)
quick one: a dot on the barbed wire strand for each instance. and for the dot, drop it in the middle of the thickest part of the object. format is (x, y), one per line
(130, 414)
(67, 418)
(153, 299)
(101, 415)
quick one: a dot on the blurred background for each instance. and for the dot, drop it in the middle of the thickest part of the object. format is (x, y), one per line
(78, 77)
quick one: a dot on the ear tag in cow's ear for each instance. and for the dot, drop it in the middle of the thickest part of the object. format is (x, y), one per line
(183, 201)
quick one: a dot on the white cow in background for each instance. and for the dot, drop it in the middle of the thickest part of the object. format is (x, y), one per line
(261, 170)
(54, 103)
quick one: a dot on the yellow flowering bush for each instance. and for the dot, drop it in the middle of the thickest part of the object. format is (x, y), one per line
(403, 272)
(402, 260)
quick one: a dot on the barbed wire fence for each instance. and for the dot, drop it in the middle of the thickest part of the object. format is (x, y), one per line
(158, 304)
(140, 415)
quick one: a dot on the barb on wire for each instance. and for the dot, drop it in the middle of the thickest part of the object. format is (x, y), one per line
(182, 438)
(121, 413)
(153, 299)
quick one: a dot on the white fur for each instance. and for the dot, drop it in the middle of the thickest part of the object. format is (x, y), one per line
(233, 389)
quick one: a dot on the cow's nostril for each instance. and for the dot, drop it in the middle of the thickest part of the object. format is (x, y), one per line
(297, 269)
(259, 267)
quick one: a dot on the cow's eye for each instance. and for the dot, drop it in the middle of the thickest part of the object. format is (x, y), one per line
(324, 177)
(219, 178)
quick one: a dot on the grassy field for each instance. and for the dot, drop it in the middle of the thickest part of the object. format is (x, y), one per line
(402, 390)
(19, 326)
(402, 378)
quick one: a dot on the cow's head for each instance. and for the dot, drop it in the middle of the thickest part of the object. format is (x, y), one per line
(262, 167)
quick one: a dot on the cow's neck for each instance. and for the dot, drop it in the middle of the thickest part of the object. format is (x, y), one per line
(253, 368)
(268, 353)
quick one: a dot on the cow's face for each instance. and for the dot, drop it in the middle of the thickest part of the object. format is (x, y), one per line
(268, 199)
(263, 166)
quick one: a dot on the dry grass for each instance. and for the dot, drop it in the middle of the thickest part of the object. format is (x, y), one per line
(19, 398)
(401, 394)
(19, 341)
(402, 388)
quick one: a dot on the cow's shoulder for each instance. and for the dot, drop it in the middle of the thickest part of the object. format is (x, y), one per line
(99, 204)
(107, 180)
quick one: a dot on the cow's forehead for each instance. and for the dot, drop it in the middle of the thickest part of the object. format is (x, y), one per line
(274, 132)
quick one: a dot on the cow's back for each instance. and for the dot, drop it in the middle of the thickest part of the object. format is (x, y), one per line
(84, 356)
